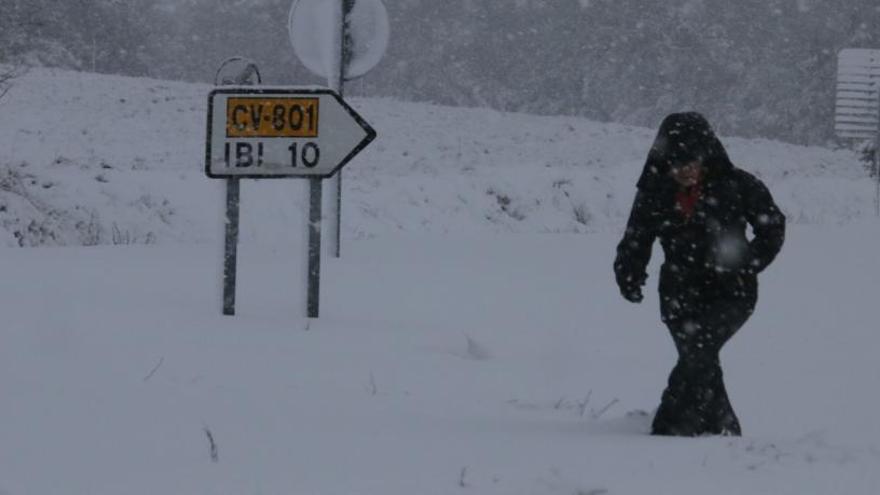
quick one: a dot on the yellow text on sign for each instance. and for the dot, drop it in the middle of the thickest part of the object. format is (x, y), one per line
(271, 117)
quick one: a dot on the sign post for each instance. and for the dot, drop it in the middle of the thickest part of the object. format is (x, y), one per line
(264, 133)
(230, 251)
(313, 303)
(336, 82)
(340, 40)
(240, 71)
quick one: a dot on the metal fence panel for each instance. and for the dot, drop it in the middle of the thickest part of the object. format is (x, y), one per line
(857, 113)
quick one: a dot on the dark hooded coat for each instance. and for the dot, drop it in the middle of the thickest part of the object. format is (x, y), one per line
(708, 282)
(708, 255)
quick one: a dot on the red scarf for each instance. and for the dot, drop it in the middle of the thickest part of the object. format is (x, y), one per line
(686, 200)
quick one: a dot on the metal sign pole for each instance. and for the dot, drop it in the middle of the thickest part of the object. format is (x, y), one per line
(336, 82)
(230, 256)
(337, 234)
(346, 57)
(248, 75)
(314, 275)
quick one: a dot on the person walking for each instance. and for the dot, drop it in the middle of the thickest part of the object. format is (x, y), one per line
(698, 204)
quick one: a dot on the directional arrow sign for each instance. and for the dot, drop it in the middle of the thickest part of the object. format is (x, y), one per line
(276, 132)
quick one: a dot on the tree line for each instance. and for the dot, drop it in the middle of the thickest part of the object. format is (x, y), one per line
(756, 68)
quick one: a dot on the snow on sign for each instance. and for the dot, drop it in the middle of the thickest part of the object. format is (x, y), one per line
(857, 113)
(281, 132)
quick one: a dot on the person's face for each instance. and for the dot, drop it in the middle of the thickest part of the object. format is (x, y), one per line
(687, 174)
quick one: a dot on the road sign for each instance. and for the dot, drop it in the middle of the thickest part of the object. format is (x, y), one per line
(311, 29)
(857, 114)
(281, 132)
(238, 71)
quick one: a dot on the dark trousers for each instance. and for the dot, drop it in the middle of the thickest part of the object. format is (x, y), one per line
(695, 402)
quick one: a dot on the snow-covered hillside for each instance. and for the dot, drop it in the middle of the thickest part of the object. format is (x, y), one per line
(92, 159)
(460, 348)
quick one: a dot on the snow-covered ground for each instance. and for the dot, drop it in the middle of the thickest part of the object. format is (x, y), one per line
(461, 349)
(91, 159)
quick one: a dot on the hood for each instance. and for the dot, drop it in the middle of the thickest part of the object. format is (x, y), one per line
(682, 137)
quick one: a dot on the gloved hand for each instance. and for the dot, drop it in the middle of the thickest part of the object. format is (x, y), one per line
(631, 287)
(632, 293)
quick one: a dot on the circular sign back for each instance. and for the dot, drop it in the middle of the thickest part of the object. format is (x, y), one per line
(310, 26)
(239, 71)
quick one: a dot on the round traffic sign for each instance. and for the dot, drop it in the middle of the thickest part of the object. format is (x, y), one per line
(310, 26)
(239, 71)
